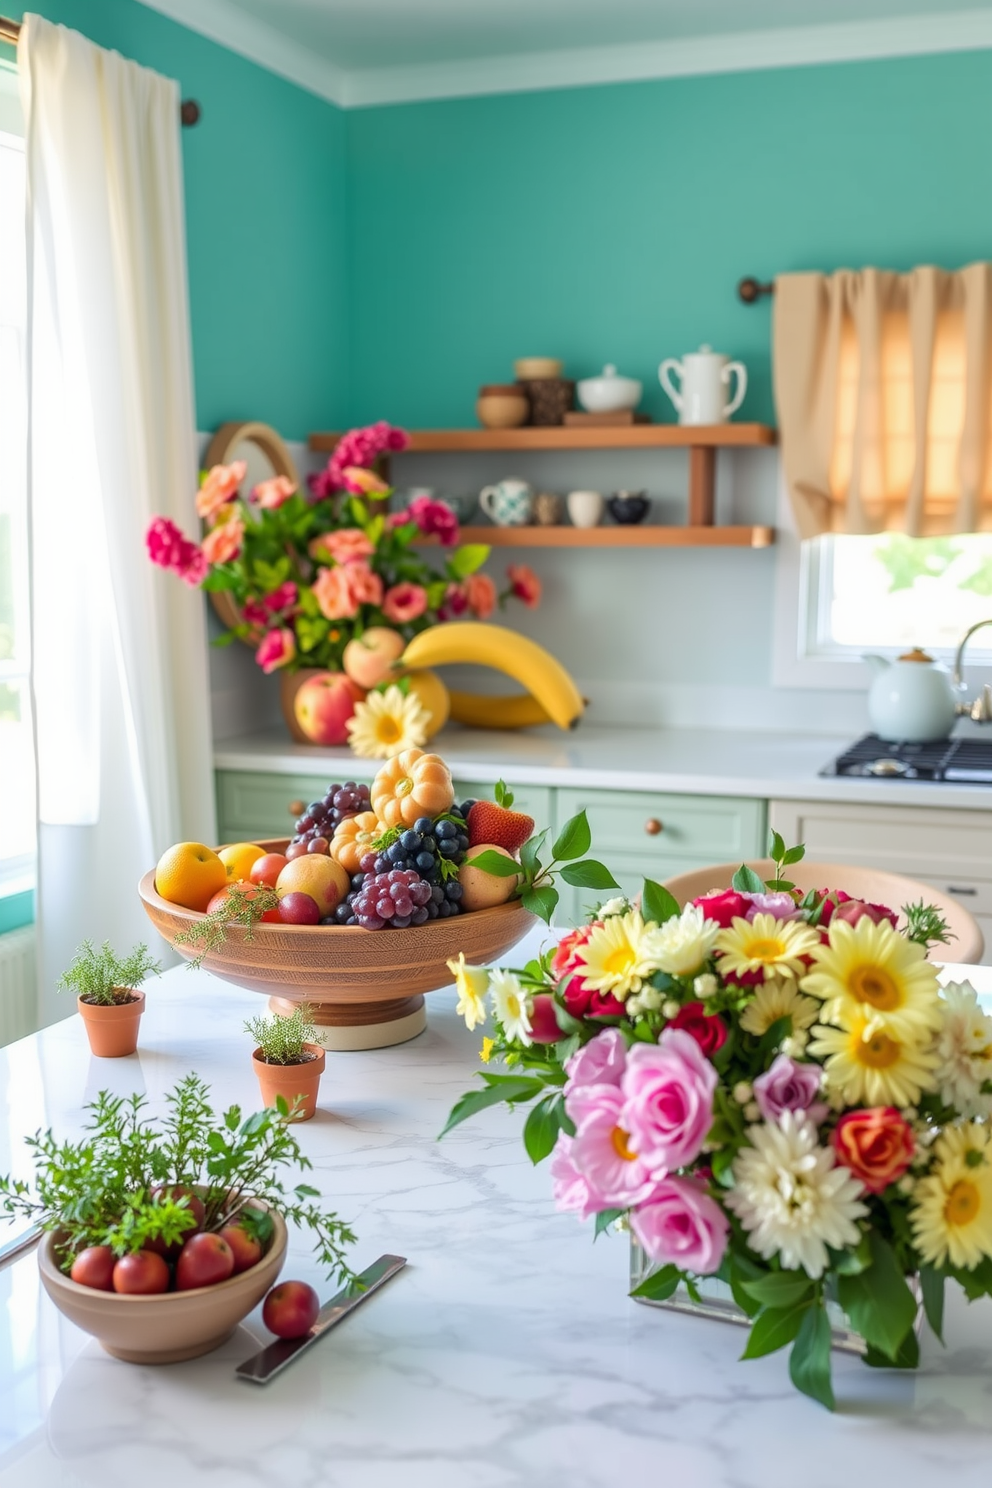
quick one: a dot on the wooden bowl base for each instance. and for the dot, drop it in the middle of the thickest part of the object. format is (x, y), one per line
(343, 1026)
(167, 1356)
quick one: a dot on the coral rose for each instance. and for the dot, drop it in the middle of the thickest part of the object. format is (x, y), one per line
(564, 959)
(480, 595)
(524, 584)
(364, 585)
(724, 907)
(334, 595)
(709, 1030)
(270, 494)
(853, 910)
(363, 482)
(220, 487)
(277, 649)
(876, 1144)
(404, 602)
(223, 543)
(346, 545)
(682, 1226)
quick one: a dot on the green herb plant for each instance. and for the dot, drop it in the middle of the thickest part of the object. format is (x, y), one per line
(128, 1180)
(284, 1040)
(104, 978)
(244, 905)
(535, 880)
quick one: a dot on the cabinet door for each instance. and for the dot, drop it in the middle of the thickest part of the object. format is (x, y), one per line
(255, 803)
(533, 800)
(640, 835)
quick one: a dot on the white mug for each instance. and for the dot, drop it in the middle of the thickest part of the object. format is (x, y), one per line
(705, 377)
(510, 503)
(585, 508)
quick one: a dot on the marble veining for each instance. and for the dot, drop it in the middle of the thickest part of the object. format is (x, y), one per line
(507, 1355)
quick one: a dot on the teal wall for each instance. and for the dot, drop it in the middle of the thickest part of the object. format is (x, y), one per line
(266, 219)
(613, 223)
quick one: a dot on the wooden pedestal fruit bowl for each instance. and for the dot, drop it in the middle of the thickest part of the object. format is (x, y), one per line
(366, 986)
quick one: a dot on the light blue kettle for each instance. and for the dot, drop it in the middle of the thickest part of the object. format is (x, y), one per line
(911, 699)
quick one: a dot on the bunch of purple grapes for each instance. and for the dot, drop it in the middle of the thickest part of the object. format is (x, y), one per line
(398, 898)
(315, 828)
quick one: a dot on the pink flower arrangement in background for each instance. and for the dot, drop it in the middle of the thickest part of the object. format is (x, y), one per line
(276, 650)
(404, 602)
(360, 448)
(271, 494)
(168, 548)
(223, 543)
(219, 487)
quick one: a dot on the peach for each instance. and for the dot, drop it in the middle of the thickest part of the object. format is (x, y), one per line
(317, 875)
(482, 890)
(323, 706)
(369, 658)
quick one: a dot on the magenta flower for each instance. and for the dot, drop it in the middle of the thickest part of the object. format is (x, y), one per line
(435, 517)
(682, 1226)
(277, 649)
(668, 1089)
(602, 1152)
(168, 548)
(570, 1189)
(359, 447)
(788, 1086)
(193, 564)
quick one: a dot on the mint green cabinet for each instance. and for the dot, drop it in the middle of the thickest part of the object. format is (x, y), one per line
(641, 835)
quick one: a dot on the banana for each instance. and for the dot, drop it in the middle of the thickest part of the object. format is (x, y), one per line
(481, 711)
(493, 645)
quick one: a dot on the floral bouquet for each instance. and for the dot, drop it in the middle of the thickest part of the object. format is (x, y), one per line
(310, 571)
(771, 1089)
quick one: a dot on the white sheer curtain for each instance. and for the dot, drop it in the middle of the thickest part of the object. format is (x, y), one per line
(119, 650)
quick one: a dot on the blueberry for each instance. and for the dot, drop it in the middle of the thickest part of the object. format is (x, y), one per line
(410, 841)
(428, 842)
(396, 853)
(400, 922)
(447, 848)
(425, 861)
(453, 890)
(445, 829)
(382, 864)
(419, 916)
(342, 914)
(465, 808)
(423, 824)
(437, 894)
(462, 843)
(432, 911)
(357, 880)
(444, 909)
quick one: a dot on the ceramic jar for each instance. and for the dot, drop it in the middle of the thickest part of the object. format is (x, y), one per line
(609, 393)
(502, 406)
(550, 398)
(628, 507)
(548, 509)
(525, 368)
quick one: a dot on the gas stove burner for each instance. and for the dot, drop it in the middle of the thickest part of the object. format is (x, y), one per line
(888, 767)
(961, 761)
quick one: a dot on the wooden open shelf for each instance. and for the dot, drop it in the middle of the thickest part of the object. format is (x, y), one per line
(618, 537)
(558, 437)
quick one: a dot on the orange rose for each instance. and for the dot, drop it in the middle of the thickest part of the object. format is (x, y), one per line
(364, 586)
(347, 545)
(333, 593)
(876, 1144)
(220, 487)
(223, 542)
(480, 591)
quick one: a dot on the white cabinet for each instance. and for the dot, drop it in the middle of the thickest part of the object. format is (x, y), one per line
(950, 849)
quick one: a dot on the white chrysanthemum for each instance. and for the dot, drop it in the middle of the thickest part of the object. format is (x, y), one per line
(683, 944)
(778, 999)
(613, 907)
(791, 1196)
(964, 1048)
(510, 1004)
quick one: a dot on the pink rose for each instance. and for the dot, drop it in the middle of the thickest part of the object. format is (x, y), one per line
(788, 1086)
(260, 611)
(333, 594)
(682, 1226)
(668, 1089)
(270, 494)
(603, 1152)
(364, 585)
(404, 602)
(193, 566)
(220, 487)
(781, 905)
(524, 584)
(724, 907)
(853, 910)
(435, 517)
(570, 1189)
(168, 548)
(277, 649)
(346, 545)
(601, 1061)
(456, 600)
(480, 595)
(222, 543)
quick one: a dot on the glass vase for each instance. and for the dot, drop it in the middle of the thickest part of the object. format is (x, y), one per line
(716, 1300)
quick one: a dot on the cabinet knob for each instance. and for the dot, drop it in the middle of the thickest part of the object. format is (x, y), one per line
(297, 808)
(653, 826)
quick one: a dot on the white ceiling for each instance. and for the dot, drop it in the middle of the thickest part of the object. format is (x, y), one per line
(360, 52)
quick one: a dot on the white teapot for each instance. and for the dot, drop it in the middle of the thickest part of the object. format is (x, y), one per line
(911, 699)
(705, 377)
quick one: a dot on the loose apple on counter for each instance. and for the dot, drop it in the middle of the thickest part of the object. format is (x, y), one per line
(323, 706)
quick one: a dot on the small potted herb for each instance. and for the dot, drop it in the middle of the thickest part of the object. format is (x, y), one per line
(108, 995)
(288, 1061)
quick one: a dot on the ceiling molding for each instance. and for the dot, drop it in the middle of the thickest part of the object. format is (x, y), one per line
(746, 51)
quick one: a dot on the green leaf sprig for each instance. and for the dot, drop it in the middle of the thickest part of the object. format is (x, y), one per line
(535, 880)
(244, 905)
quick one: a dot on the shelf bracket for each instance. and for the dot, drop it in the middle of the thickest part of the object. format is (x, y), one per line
(702, 484)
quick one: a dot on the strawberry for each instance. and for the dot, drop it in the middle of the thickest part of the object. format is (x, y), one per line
(494, 824)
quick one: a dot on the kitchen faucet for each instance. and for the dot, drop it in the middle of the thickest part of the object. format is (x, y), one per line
(980, 709)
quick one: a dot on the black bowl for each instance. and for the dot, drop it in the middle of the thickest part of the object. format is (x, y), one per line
(628, 509)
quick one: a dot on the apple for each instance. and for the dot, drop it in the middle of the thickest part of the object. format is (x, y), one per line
(321, 877)
(266, 869)
(141, 1273)
(298, 909)
(94, 1267)
(323, 706)
(247, 1251)
(482, 890)
(369, 659)
(238, 859)
(270, 917)
(290, 1309)
(204, 1260)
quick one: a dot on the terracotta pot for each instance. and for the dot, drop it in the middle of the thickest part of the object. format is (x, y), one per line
(112, 1028)
(168, 1326)
(291, 1080)
(502, 406)
(289, 685)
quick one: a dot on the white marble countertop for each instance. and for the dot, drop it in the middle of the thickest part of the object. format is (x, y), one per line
(704, 762)
(507, 1355)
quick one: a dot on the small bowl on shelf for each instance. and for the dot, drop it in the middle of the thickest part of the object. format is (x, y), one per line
(629, 507)
(502, 406)
(609, 393)
(532, 369)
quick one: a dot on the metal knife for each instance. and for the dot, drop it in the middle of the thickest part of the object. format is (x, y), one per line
(263, 1366)
(19, 1245)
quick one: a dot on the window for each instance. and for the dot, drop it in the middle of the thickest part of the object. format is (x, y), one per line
(17, 807)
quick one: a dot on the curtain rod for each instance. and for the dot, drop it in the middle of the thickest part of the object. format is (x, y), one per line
(189, 109)
(750, 290)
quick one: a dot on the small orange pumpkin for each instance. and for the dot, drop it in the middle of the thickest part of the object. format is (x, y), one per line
(412, 784)
(353, 837)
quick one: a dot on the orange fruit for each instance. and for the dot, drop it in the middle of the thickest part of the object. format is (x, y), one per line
(239, 857)
(190, 874)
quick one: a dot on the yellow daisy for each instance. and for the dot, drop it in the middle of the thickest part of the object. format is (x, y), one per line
(865, 1066)
(386, 723)
(778, 999)
(618, 955)
(471, 984)
(872, 971)
(773, 947)
(952, 1209)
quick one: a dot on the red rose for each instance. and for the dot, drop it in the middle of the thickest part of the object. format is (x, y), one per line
(876, 1144)
(708, 1029)
(724, 907)
(576, 996)
(853, 910)
(605, 1005)
(827, 901)
(543, 1023)
(563, 960)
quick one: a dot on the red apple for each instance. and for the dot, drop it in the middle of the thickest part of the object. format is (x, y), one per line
(246, 1249)
(204, 1260)
(299, 909)
(141, 1273)
(323, 706)
(94, 1267)
(290, 1309)
(267, 869)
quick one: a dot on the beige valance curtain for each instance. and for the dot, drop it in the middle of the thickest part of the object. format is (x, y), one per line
(883, 385)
